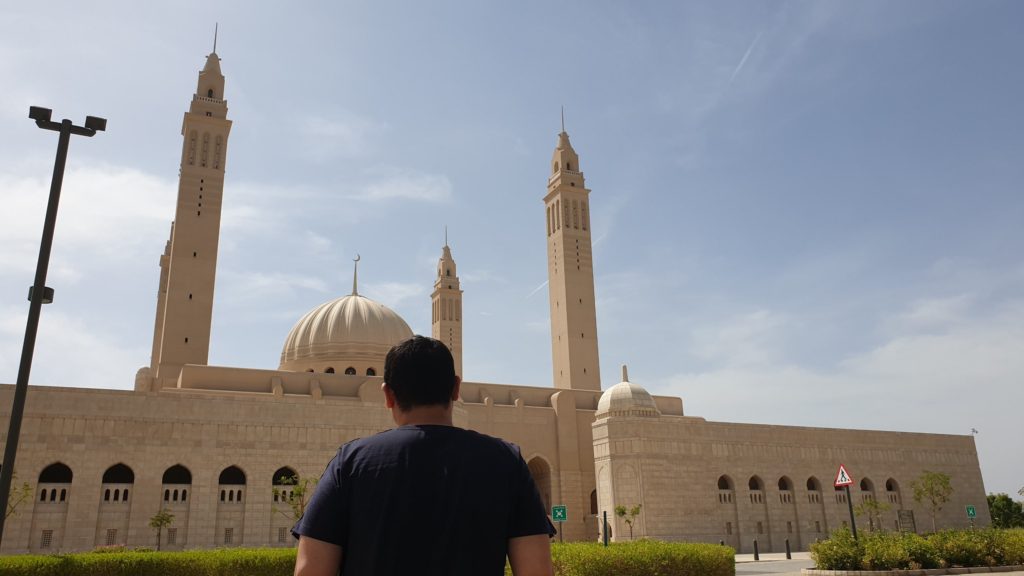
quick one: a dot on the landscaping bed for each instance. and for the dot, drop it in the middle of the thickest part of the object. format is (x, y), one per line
(946, 552)
(641, 558)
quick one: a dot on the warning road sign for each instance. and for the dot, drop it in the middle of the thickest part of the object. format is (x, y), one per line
(843, 477)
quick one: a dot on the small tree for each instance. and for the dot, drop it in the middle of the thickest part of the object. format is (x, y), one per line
(933, 487)
(628, 516)
(872, 509)
(17, 495)
(1005, 512)
(159, 521)
(296, 496)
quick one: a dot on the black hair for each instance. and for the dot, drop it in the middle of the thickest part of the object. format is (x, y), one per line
(420, 371)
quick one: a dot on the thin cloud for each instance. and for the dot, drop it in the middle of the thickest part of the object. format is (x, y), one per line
(537, 289)
(746, 55)
(409, 186)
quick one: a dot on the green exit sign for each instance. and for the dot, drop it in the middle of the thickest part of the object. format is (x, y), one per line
(559, 513)
(971, 512)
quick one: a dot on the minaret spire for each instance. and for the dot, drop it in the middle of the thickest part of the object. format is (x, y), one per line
(355, 275)
(215, 26)
(446, 299)
(563, 114)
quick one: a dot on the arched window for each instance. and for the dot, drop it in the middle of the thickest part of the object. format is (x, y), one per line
(568, 165)
(175, 496)
(184, 494)
(329, 370)
(785, 484)
(56, 473)
(53, 494)
(725, 483)
(223, 495)
(118, 474)
(813, 484)
(284, 476)
(866, 485)
(371, 372)
(117, 495)
(167, 495)
(593, 501)
(232, 476)
(106, 495)
(209, 93)
(351, 371)
(755, 483)
(891, 486)
(231, 495)
(63, 494)
(177, 474)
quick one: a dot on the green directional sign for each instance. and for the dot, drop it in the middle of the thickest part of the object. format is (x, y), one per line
(971, 512)
(559, 513)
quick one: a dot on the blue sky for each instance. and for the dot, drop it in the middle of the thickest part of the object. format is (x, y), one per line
(804, 212)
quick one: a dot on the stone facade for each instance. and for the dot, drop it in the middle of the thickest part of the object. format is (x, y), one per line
(209, 442)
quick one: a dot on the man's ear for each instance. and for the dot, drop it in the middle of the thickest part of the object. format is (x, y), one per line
(389, 395)
(455, 390)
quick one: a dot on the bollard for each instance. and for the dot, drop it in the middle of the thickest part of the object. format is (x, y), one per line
(757, 556)
(721, 542)
(605, 531)
(789, 553)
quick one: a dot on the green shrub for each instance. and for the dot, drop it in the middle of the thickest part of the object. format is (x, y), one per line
(921, 551)
(1012, 542)
(642, 558)
(961, 547)
(839, 552)
(229, 562)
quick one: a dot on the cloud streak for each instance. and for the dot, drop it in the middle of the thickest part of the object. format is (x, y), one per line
(746, 55)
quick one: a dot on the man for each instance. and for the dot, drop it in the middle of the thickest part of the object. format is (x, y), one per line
(425, 498)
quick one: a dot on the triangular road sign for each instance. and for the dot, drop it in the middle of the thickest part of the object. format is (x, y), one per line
(843, 477)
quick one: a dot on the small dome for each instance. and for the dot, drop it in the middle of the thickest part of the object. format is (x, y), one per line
(626, 399)
(349, 331)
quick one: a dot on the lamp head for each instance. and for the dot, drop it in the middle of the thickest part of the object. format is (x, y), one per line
(39, 114)
(97, 124)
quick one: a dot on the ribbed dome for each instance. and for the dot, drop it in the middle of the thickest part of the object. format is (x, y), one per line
(349, 331)
(626, 399)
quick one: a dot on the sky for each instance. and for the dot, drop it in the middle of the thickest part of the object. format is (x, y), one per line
(803, 213)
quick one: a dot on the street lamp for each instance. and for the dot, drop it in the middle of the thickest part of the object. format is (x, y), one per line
(39, 293)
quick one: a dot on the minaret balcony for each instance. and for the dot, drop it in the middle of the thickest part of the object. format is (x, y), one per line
(198, 98)
(555, 176)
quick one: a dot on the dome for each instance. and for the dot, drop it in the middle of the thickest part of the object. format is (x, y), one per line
(349, 332)
(626, 399)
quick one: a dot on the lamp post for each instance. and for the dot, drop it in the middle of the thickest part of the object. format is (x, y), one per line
(38, 293)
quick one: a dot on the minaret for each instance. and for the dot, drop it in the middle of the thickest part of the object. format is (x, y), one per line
(446, 317)
(189, 263)
(574, 355)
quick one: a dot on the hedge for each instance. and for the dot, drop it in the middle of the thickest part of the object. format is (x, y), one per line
(645, 557)
(900, 550)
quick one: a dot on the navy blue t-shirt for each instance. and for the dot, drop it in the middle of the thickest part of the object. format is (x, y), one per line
(424, 500)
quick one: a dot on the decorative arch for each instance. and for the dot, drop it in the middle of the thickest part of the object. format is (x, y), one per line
(593, 502)
(284, 476)
(56, 473)
(725, 483)
(755, 483)
(785, 483)
(866, 485)
(329, 370)
(813, 484)
(541, 472)
(119, 474)
(177, 474)
(892, 491)
(351, 371)
(232, 476)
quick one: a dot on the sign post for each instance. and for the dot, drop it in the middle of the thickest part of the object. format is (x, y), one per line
(559, 514)
(843, 480)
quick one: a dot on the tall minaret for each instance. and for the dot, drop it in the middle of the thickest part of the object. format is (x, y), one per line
(188, 266)
(446, 315)
(574, 355)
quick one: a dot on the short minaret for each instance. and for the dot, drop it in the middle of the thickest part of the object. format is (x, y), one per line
(189, 264)
(574, 355)
(446, 316)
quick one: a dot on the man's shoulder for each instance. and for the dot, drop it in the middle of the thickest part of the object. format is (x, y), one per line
(411, 434)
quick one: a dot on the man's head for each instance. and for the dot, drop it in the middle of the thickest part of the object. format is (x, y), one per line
(420, 372)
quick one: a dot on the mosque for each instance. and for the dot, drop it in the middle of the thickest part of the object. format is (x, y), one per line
(211, 444)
